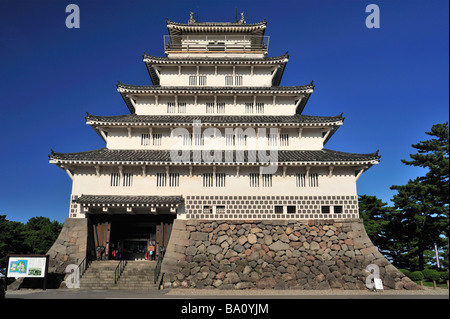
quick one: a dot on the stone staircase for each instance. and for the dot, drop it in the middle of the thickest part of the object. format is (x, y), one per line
(138, 275)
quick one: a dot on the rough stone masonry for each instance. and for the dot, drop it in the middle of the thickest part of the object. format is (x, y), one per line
(279, 254)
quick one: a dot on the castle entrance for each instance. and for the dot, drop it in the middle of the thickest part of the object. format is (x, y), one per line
(129, 237)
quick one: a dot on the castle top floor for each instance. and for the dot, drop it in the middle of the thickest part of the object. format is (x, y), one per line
(216, 39)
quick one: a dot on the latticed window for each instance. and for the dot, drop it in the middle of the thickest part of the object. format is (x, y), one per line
(209, 107)
(300, 180)
(187, 139)
(314, 180)
(221, 107)
(128, 179)
(284, 139)
(207, 180)
(220, 210)
(182, 107)
(174, 179)
(220, 179)
(161, 179)
(115, 179)
(145, 139)
(248, 108)
(267, 180)
(157, 138)
(260, 107)
(254, 179)
(171, 107)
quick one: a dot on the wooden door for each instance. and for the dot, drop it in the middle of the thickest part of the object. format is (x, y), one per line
(102, 233)
(163, 231)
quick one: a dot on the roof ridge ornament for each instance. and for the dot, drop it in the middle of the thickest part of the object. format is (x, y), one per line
(241, 20)
(191, 18)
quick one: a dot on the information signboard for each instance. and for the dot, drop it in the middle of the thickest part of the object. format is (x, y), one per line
(28, 266)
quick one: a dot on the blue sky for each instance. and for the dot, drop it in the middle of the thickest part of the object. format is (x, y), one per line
(391, 83)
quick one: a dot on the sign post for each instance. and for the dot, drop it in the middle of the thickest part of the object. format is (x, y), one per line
(28, 266)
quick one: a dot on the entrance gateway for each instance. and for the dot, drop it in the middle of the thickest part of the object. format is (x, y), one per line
(124, 227)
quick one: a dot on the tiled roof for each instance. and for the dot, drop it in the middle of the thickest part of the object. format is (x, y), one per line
(139, 200)
(150, 61)
(130, 119)
(216, 60)
(141, 157)
(127, 88)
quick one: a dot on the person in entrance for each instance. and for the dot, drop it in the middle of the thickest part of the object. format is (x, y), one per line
(150, 255)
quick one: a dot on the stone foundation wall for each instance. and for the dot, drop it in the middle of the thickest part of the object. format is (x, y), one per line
(70, 246)
(280, 254)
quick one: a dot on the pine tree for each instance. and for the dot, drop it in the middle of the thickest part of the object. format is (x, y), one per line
(423, 203)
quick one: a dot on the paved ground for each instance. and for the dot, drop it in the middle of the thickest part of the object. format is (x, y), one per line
(221, 294)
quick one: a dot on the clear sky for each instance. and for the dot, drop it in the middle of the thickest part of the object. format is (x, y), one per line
(391, 83)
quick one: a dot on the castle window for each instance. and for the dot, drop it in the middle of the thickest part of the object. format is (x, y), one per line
(314, 180)
(254, 179)
(220, 179)
(291, 209)
(284, 139)
(187, 139)
(157, 138)
(267, 180)
(115, 179)
(161, 179)
(145, 139)
(238, 80)
(278, 210)
(209, 107)
(337, 209)
(192, 80)
(221, 107)
(207, 180)
(260, 107)
(325, 209)
(182, 107)
(170, 107)
(220, 210)
(300, 180)
(128, 179)
(248, 108)
(174, 179)
(207, 209)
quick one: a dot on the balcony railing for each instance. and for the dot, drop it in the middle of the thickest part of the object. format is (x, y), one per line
(216, 43)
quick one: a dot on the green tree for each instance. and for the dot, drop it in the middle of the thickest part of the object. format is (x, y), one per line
(12, 240)
(423, 203)
(40, 234)
(34, 237)
(375, 214)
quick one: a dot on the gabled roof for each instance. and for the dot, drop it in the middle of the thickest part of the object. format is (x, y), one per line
(125, 89)
(106, 156)
(176, 28)
(152, 61)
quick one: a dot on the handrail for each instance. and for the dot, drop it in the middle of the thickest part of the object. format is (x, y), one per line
(158, 268)
(119, 269)
(83, 266)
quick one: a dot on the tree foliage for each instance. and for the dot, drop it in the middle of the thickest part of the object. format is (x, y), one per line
(406, 233)
(34, 237)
